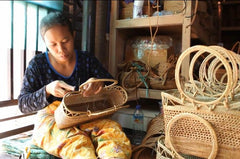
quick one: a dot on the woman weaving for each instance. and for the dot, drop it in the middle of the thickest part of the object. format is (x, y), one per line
(48, 77)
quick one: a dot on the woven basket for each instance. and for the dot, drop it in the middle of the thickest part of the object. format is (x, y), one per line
(202, 133)
(76, 109)
(162, 152)
(162, 77)
(174, 6)
(146, 149)
(203, 119)
(133, 75)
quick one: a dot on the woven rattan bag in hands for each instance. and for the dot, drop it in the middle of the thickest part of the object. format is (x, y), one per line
(76, 109)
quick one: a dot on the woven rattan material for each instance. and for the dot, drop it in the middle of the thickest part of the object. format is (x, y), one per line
(76, 109)
(154, 130)
(133, 75)
(204, 119)
(207, 87)
(189, 134)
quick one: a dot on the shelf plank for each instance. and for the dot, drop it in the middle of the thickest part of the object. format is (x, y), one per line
(237, 28)
(167, 20)
(230, 2)
(152, 94)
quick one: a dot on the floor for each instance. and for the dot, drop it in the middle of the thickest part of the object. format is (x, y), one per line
(6, 156)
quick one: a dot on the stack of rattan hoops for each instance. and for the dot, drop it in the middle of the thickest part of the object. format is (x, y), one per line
(204, 119)
(76, 109)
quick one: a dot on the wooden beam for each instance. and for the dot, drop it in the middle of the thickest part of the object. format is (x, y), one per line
(16, 131)
(16, 117)
(8, 103)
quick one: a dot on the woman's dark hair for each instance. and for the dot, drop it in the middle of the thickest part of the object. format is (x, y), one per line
(53, 19)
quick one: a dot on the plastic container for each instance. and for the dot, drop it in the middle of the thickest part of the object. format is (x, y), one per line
(137, 8)
(138, 126)
(141, 48)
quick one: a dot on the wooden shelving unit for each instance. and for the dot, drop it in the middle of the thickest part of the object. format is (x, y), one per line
(122, 29)
(150, 94)
(229, 16)
(167, 20)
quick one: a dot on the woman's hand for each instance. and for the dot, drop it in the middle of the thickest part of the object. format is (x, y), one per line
(58, 88)
(92, 88)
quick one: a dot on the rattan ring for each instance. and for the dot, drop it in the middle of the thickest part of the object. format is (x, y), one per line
(200, 50)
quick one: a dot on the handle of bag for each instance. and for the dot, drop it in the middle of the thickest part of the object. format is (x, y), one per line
(99, 80)
(235, 47)
(200, 49)
(213, 153)
(115, 108)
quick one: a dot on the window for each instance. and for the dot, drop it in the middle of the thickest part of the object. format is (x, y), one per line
(5, 45)
(20, 40)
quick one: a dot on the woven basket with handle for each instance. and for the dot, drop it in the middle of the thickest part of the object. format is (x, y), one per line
(203, 119)
(76, 109)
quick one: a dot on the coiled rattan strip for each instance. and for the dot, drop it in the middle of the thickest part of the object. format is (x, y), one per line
(203, 49)
(231, 59)
(205, 84)
(214, 66)
(206, 79)
(210, 72)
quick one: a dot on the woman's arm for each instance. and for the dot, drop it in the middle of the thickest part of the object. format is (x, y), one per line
(40, 87)
(33, 95)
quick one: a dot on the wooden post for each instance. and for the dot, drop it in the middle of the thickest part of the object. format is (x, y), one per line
(112, 40)
(186, 38)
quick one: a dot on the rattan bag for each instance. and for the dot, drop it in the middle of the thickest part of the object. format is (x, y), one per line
(203, 117)
(76, 109)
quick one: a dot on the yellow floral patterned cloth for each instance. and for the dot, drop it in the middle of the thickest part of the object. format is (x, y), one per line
(102, 138)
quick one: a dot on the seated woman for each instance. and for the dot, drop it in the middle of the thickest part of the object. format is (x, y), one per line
(48, 77)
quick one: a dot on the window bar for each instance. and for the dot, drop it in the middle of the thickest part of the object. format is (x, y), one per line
(8, 103)
(17, 116)
(11, 50)
(36, 50)
(25, 41)
(16, 131)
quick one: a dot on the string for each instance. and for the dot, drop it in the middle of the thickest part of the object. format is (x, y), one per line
(194, 14)
(142, 78)
(151, 32)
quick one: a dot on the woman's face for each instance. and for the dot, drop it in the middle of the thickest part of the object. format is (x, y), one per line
(60, 43)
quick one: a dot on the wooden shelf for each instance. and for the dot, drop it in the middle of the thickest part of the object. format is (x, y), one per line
(229, 22)
(230, 2)
(176, 25)
(152, 93)
(160, 21)
(237, 28)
